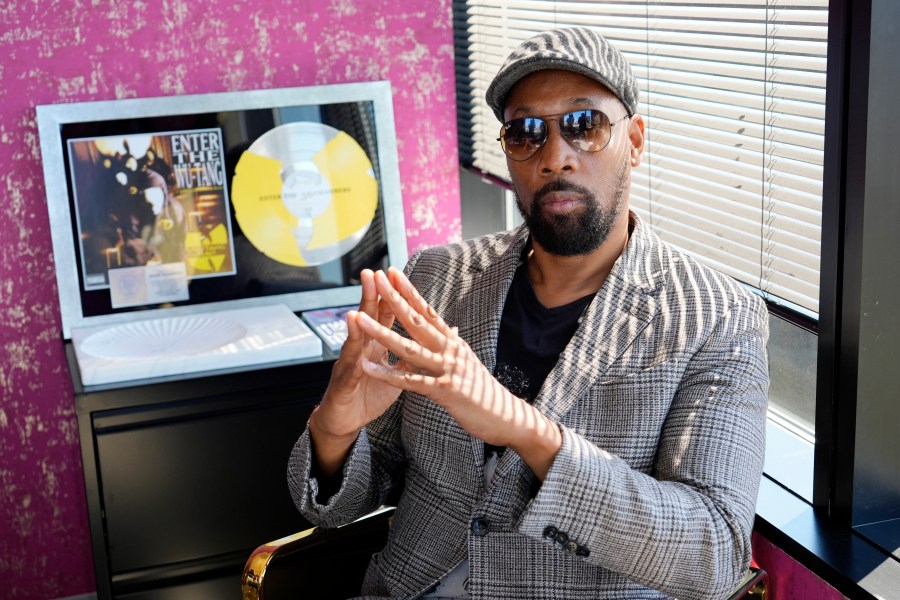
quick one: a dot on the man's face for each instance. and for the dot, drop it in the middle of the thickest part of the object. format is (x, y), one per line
(571, 199)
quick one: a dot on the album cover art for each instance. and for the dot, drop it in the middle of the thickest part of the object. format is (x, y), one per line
(152, 199)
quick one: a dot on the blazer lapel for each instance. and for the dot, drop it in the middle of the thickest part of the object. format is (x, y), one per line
(622, 308)
(481, 306)
(483, 296)
(608, 328)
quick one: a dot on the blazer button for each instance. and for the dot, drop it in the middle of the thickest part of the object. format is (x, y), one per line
(571, 547)
(562, 538)
(582, 552)
(480, 526)
(550, 533)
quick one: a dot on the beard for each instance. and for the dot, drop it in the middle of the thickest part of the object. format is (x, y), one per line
(580, 232)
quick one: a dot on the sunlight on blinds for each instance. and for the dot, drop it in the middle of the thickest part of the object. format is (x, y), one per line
(733, 96)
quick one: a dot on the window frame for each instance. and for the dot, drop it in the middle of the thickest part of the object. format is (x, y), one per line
(857, 177)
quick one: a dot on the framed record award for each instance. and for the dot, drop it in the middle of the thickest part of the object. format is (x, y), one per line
(188, 204)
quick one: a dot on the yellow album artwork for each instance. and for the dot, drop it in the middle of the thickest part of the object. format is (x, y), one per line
(304, 193)
(147, 199)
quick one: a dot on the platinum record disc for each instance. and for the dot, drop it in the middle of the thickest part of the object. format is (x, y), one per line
(304, 193)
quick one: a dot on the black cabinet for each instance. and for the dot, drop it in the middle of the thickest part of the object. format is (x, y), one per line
(185, 477)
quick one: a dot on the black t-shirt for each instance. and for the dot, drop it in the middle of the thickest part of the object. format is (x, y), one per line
(532, 337)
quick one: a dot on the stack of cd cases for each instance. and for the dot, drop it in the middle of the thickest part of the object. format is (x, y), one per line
(330, 324)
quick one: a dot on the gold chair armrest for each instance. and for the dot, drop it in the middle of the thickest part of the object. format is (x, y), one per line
(256, 565)
(255, 568)
(754, 585)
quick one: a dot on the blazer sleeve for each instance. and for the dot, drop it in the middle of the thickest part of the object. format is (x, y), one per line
(374, 467)
(368, 476)
(685, 528)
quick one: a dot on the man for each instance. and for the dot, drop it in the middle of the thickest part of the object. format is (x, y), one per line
(633, 395)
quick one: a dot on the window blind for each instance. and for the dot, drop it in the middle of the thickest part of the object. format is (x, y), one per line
(733, 98)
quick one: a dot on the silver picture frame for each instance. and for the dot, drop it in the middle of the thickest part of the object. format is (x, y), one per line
(53, 119)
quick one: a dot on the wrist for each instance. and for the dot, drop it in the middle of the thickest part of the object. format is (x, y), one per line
(321, 426)
(539, 443)
(329, 450)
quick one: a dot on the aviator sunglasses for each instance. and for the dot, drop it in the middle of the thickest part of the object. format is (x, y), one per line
(588, 130)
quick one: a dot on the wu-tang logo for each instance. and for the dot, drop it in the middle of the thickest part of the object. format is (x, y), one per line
(207, 253)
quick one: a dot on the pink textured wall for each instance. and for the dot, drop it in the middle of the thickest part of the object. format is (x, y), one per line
(76, 50)
(788, 579)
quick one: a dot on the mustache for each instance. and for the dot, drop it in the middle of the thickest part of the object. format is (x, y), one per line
(561, 185)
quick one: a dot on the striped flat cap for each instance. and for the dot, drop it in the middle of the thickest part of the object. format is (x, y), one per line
(577, 49)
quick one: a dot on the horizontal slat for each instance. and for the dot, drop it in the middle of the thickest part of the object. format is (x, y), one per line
(761, 58)
(758, 10)
(757, 177)
(801, 244)
(783, 262)
(720, 101)
(737, 202)
(742, 154)
(781, 240)
(717, 66)
(740, 129)
(800, 206)
(783, 255)
(753, 143)
(744, 262)
(670, 225)
(667, 95)
(757, 85)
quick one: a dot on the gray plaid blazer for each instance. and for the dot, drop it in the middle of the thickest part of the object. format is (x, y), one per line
(661, 397)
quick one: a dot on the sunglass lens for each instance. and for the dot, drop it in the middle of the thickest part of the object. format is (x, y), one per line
(521, 138)
(587, 130)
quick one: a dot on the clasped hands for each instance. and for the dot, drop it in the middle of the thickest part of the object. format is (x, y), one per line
(433, 362)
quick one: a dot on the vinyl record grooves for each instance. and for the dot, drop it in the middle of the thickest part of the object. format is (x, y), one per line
(304, 193)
